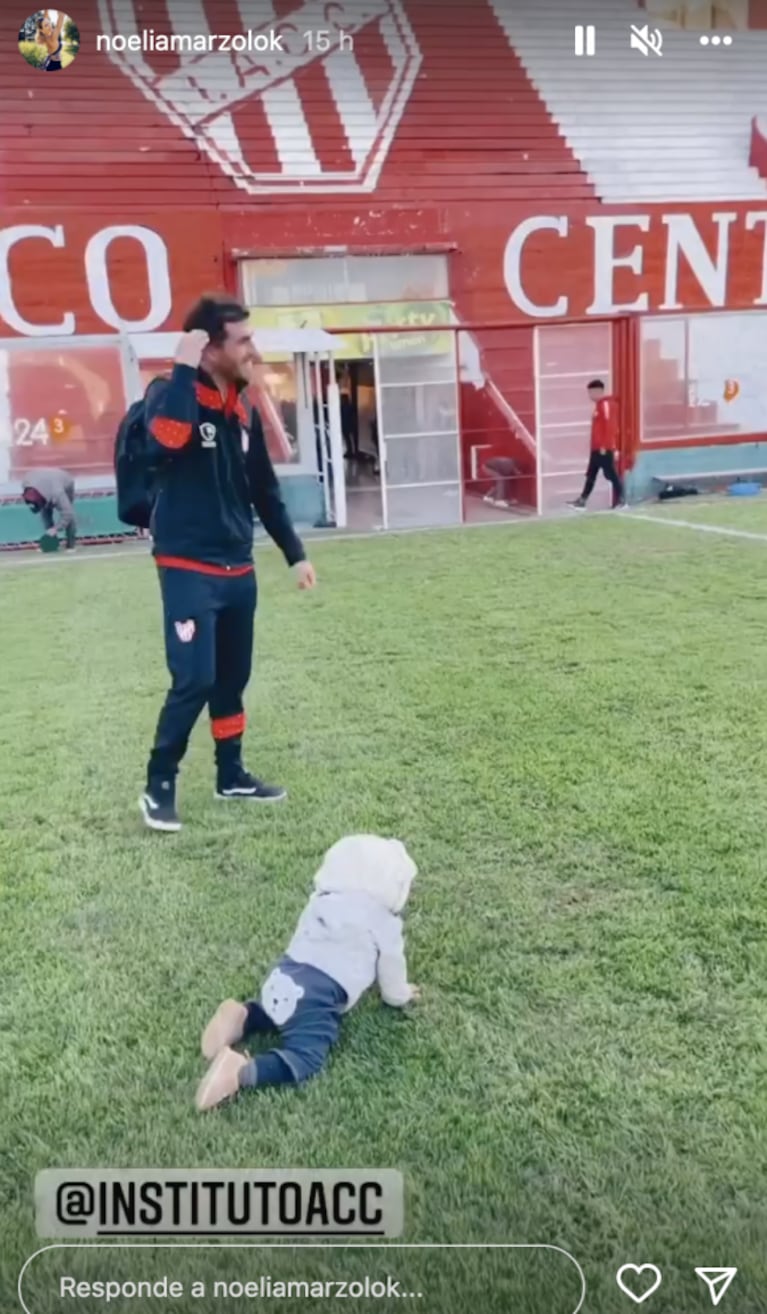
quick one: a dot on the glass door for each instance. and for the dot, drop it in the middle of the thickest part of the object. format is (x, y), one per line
(567, 358)
(417, 400)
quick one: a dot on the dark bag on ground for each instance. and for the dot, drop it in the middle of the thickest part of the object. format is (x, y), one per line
(137, 468)
(672, 491)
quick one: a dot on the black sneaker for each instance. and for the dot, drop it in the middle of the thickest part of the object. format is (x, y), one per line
(158, 806)
(578, 504)
(244, 785)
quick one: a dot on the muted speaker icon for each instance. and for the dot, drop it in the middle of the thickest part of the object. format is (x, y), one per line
(646, 41)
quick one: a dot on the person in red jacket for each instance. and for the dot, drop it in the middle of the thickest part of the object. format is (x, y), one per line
(604, 446)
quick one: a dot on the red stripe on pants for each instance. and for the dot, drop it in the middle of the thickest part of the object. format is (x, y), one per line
(229, 727)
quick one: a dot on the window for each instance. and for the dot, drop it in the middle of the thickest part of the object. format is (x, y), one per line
(703, 376)
(334, 280)
(276, 404)
(60, 405)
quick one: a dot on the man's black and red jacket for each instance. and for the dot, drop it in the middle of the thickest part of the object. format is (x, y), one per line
(215, 471)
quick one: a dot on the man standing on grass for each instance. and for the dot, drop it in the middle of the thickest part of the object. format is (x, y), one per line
(215, 470)
(604, 446)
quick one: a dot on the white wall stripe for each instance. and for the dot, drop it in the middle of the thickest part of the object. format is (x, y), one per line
(352, 98)
(283, 107)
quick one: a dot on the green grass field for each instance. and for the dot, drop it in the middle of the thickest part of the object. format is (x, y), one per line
(566, 724)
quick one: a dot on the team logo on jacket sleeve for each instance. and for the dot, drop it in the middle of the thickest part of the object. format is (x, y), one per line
(260, 102)
(185, 630)
(208, 434)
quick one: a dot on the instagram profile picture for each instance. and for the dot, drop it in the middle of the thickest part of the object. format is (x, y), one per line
(49, 40)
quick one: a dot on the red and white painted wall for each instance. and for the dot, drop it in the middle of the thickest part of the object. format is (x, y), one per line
(564, 192)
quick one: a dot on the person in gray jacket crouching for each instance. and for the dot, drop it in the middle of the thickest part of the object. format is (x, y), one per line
(51, 494)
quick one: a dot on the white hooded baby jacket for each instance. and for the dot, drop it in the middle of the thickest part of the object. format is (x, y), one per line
(351, 928)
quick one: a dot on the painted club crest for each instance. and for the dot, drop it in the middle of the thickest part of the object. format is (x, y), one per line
(265, 104)
(185, 630)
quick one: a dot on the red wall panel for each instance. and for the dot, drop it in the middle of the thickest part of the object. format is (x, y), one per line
(471, 153)
(470, 157)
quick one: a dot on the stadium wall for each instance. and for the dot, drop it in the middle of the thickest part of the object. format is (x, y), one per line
(128, 186)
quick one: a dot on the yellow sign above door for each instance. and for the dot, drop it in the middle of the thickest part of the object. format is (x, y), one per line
(417, 317)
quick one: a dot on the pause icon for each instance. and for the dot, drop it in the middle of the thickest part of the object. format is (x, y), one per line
(585, 40)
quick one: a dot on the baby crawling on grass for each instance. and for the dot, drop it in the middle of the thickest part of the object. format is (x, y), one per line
(348, 937)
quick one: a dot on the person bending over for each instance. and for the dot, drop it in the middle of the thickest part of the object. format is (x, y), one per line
(51, 494)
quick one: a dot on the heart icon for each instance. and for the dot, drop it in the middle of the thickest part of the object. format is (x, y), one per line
(638, 1269)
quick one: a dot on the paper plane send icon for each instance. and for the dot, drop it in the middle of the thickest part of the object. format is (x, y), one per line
(717, 1280)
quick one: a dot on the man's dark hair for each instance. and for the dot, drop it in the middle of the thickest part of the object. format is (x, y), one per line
(595, 383)
(212, 313)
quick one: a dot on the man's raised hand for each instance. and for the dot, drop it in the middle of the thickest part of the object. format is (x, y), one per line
(190, 348)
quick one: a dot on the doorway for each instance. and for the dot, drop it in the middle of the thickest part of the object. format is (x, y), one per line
(567, 357)
(359, 427)
(418, 428)
(399, 375)
(399, 421)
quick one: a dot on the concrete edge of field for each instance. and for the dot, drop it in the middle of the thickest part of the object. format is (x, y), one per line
(139, 551)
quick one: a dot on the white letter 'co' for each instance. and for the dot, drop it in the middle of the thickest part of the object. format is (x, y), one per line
(96, 274)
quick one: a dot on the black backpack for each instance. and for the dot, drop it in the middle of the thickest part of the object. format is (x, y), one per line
(136, 468)
(673, 491)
